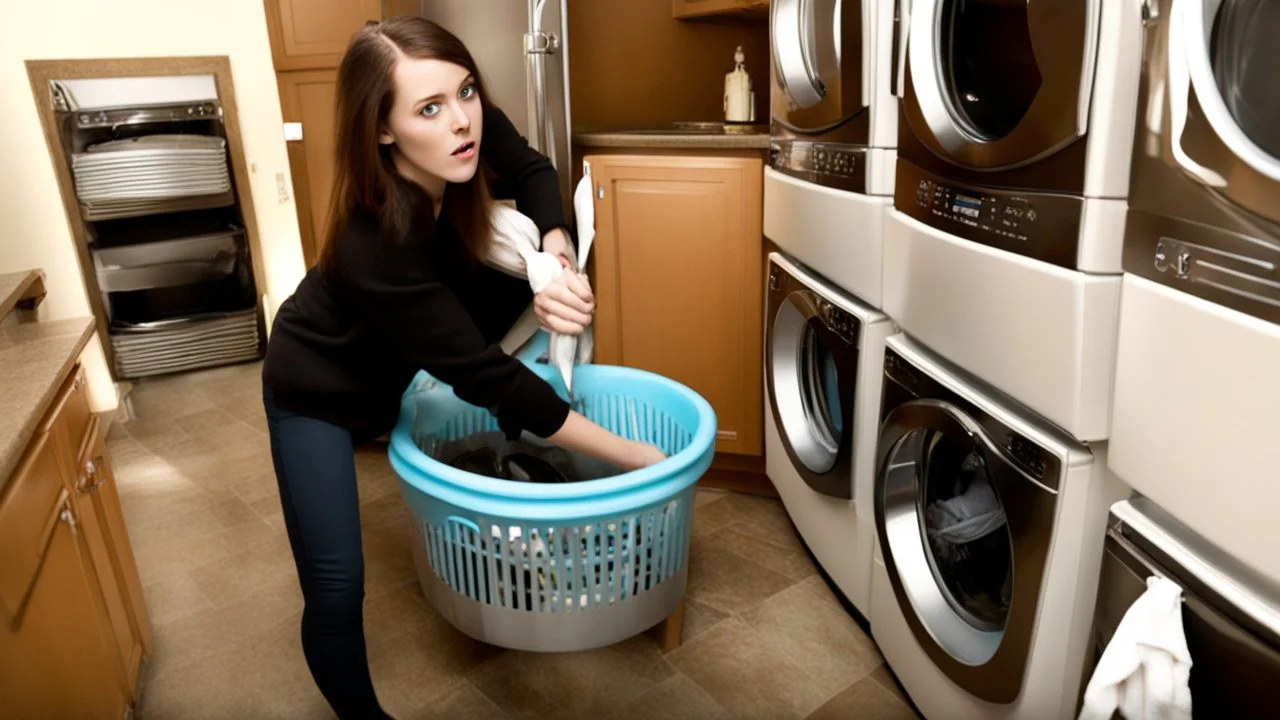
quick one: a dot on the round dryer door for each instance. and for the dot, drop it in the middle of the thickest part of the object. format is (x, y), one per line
(963, 552)
(1229, 138)
(818, 63)
(811, 361)
(998, 84)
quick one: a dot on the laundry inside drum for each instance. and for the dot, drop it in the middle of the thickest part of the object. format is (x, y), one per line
(491, 454)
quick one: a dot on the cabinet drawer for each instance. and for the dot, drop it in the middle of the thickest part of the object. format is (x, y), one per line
(69, 415)
(26, 520)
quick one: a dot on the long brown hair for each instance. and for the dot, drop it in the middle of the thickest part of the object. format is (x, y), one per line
(365, 177)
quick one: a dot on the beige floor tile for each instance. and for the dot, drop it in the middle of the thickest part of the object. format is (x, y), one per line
(746, 675)
(192, 524)
(462, 702)
(789, 561)
(263, 675)
(586, 684)
(761, 517)
(727, 581)
(676, 698)
(822, 640)
(699, 618)
(156, 434)
(210, 631)
(412, 668)
(174, 597)
(240, 574)
(705, 496)
(865, 700)
(377, 479)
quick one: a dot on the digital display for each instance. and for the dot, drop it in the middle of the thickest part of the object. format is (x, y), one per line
(966, 205)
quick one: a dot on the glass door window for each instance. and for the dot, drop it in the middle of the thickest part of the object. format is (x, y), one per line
(988, 64)
(1245, 58)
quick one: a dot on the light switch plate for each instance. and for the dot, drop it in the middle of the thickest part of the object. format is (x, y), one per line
(292, 131)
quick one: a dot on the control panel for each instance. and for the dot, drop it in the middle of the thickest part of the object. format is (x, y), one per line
(828, 164)
(1010, 217)
(840, 321)
(165, 113)
(1026, 454)
(1044, 226)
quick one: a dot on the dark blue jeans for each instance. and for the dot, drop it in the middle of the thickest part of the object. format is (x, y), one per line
(316, 470)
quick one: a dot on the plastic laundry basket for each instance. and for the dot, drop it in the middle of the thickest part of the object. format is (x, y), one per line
(556, 567)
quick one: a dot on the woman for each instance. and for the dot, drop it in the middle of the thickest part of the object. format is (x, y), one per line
(402, 287)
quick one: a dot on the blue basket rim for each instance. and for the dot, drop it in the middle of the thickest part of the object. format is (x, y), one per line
(403, 448)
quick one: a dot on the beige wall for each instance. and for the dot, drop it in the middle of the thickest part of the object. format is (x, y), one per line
(34, 231)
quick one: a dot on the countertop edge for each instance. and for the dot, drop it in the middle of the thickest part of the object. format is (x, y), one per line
(691, 141)
(31, 286)
(9, 462)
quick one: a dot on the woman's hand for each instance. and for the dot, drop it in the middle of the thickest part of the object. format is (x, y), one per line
(566, 305)
(643, 455)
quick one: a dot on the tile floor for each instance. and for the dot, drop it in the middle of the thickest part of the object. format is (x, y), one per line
(764, 636)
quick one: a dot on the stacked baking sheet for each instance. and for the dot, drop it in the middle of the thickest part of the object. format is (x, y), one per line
(152, 174)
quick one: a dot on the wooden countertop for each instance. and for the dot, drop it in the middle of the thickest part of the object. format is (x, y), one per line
(675, 139)
(36, 358)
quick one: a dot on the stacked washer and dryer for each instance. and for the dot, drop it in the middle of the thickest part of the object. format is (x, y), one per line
(826, 189)
(978, 344)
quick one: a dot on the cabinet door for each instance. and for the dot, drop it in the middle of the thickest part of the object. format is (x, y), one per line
(308, 98)
(309, 34)
(56, 660)
(678, 279)
(102, 522)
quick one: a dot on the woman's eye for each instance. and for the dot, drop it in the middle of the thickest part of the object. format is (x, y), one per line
(468, 91)
(429, 109)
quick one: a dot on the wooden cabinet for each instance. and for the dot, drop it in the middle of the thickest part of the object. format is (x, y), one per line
(311, 34)
(744, 9)
(102, 521)
(678, 278)
(75, 634)
(308, 98)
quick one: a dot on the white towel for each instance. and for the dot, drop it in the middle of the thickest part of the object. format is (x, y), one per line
(516, 250)
(1145, 668)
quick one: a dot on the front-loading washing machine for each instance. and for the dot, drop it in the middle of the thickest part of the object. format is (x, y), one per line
(1196, 411)
(823, 357)
(833, 121)
(990, 524)
(1002, 251)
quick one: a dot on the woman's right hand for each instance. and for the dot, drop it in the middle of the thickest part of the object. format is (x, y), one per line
(567, 304)
(643, 455)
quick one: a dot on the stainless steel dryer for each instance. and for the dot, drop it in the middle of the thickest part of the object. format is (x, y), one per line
(834, 125)
(830, 95)
(990, 525)
(1002, 250)
(1195, 420)
(1230, 616)
(1013, 114)
(823, 354)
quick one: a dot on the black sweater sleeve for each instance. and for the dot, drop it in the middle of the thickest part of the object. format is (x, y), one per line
(396, 283)
(523, 173)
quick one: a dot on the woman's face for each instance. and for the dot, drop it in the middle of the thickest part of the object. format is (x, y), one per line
(435, 123)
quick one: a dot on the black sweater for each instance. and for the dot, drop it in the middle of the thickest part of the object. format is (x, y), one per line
(346, 344)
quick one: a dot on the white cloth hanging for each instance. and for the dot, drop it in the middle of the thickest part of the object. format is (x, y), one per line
(1145, 669)
(517, 250)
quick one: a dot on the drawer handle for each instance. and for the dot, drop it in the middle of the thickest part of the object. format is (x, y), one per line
(90, 480)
